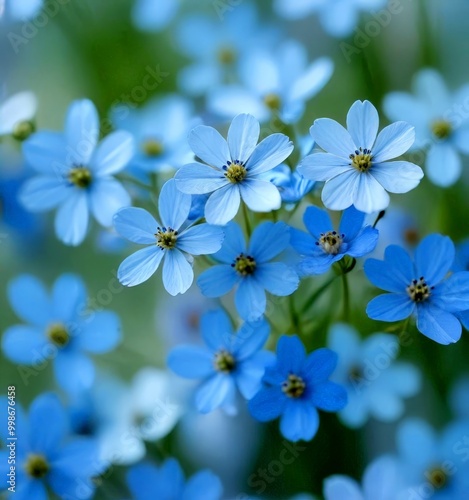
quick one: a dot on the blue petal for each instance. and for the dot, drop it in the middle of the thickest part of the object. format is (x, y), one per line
(363, 123)
(438, 325)
(217, 281)
(333, 138)
(233, 244)
(277, 278)
(222, 205)
(81, 130)
(140, 477)
(113, 154)
(291, 354)
(213, 393)
(243, 135)
(196, 178)
(74, 371)
(30, 489)
(302, 242)
(341, 488)
(268, 240)
(136, 224)
(42, 193)
(68, 297)
(393, 274)
(140, 266)
(323, 166)
(319, 365)
(317, 264)
(300, 420)
(250, 338)
(24, 344)
(106, 197)
(173, 205)
(260, 195)
(364, 243)
(202, 239)
(204, 485)
(216, 329)
(191, 362)
(147, 18)
(417, 443)
(209, 146)
(317, 221)
(101, 332)
(390, 307)
(452, 294)
(249, 373)
(329, 396)
(434, 257)
(46, 152)
(351, 223)
(47, 414)
(393, 141)
(267, 404)
(71, 220)
(177, 272)
(250, 299)
(29, 299)
(443, 164)
(269, 153)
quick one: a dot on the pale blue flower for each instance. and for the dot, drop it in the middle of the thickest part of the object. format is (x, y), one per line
(12, 11)
(154, 15)
(16, 113)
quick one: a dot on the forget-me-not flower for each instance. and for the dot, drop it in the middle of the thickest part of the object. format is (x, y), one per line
(59, 327)
(46, 456)
(296, 387)
(376, 384)
(355, 165)
(440, 125)
(234, 169)
(169, 239)
(461, 263)
(231, 361)
(16, 114)
(421, 288)
(324, 245)
(250, 268)
(167, 482)
(154, 15)
(12, 11)
(76, 175)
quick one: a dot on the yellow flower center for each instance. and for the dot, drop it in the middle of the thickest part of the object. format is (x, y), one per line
(80, 177)
(330, 242)
(362, 159)
(418, 290)
(152, 147)
(294, 386)
(272, 101)
(36, 466)
(441, 129)
(437, 477)
(235, 171)
(58, 334)
(244, 264)
(166, 238)
(226, 56)
(224, 361)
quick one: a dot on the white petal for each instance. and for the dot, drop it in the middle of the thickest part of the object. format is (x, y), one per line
(260, 196)
(223, 205)
(333, 138)
(370, 196)
(17, 108)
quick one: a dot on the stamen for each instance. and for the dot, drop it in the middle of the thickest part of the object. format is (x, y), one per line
(80, 176)
(244, 264)
(166, 238)
(36, 466)
(362, 159)
(294, 386)
(330, 242)
(236, 172)
(441, 129)
(58, 334)
(418, 290)
(152, 148)
(224, 361)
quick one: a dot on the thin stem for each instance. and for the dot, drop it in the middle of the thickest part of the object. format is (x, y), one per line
(346, 298)
(316, 294)
(246, 220)
(126, 178)
(295, 319)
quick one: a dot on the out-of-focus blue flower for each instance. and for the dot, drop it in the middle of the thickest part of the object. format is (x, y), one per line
(45, 458)
(59, 329)
(433, 466)
(216, 47)
(154, 15)
(166, 240)
(231, 360)
(338, 17)
(355, 166)
(275, 83)
(381, 481)
(324, 245)
(16, 113)
(296, 387)
(459, 397)
(122, 417)
(420, 288)
(167, 482)
(376, 384)
(461, 263)
(75, 175)
(12, 11)
(439, 125)
(234, 169)
(250, 268)
(160, 131)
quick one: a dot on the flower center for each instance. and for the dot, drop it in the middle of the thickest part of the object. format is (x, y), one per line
(418, 290)
(355, 373)
(235, 171)
(166, 238)
(23, 130)
(244, 264)
(36, 466)
(152, 147)
(272, 101)
(361, 160)
(437, 477)
(80, 177)
(411, 236)
(441, 129)
(224, 361)
(331, 242)
(294, 386)
(226, 55)
(58, 334)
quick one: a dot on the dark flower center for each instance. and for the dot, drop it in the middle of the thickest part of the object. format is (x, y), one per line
(152, 147)
(273, 101)
(80, 177)
(226, 55)
(294, 386)
(166, 238)
(235, 171)
(244, 264)
(441, 129)
(224, 361)
(36, 466)
(437, 477)
(331, 242)
(418, 290)
(362, 159)
(355, 373)
(58, 334)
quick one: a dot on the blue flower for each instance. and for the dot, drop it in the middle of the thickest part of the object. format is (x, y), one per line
(325, 245)
(13, 11)
(234, 169)
(296, 387)
(44, 455)
(337, 17)
(381, 481)
(273, 83)
(75, 175)
(18, 110)
(250, 268)
(148, 482)
(58, 328)
(430, 110)
(230, 361)
(151, 15)
(166, 240)
(420, 288)
(376, 384)
(461, 263)
(355, 166)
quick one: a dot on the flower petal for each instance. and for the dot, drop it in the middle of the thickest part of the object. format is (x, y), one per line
(333, 138)
(397, 176)
(43, 193)
(443, 164)
(173, 205)
(300, 420)
(177, 272)
(370, 196)
(393, 141)
(312, 80)
(69, 297)
(438, 325)
(317, 221)
(216, 330)
(223, 205)
(393, 274)
(434, 257)
(113, 154)
(233, 244)
(319, 365)
(340, 192)
(81, 131)
(291, 354)
(140, 266)
(217, 281)
(196, 178)
(71, 220)
(46, 152)
(340, 487)
(25, 345)
(29, 299)
(243, 135)
(209, 146)
(329, 396)
(204, 485)
(323, 166)
(213, 393)
(277, 278)
(250, 299)
(192, 362)
(259, 195)
(107, 196)
(74, 371)
(363, 124)
(136, 224)
(268, 240)
(101, 333)
(268, 404)
(390, 307)
(452, 294)
(202, 239)
(269, 153)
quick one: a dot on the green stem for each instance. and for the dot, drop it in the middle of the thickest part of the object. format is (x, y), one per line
(295, 319)
(346, 298)
(316, 294)
(246, 220)
(126, 178)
